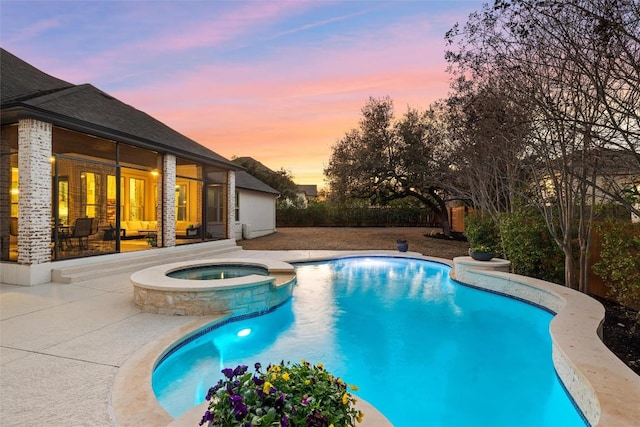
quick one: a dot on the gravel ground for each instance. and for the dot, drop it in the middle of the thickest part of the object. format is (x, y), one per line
(620, 334)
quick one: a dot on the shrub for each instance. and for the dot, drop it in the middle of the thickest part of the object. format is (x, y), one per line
(529, 246)
(285, 395)
(481, 231)
(619, 263)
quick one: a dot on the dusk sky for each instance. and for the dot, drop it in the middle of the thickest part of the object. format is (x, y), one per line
(279, 81)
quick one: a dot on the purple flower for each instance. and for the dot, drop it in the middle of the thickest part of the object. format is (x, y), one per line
(236, 399)
(257, 381)
(316, 419)
(284, 421)
(279, 403)
(257, 366)
(228, 372)
(208, 416)
(240, 370)
(240, 410)
(305, 400)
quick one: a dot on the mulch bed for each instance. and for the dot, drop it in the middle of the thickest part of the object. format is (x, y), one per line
(621, 333)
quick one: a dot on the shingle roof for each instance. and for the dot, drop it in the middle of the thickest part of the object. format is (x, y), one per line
(91, 110)
(30, 81)
(309, 190)
(247, 181)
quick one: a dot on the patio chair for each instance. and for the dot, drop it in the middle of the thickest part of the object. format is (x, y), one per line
(193, 231)
(82, 229)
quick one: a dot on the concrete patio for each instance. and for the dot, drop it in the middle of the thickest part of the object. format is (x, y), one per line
(62, 345)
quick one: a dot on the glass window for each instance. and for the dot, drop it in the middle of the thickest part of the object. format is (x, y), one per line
(214, 203)
(14, 192)
(90, 194)
(181, 202)
(237, 206)
(136, 199)
(63, 200)
(111, 199)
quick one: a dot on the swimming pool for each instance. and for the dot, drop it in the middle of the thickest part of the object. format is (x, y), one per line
(418, 345)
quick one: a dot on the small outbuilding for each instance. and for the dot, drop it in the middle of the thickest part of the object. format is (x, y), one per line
(255, 207)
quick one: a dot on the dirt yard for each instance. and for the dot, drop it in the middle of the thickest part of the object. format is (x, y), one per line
(338, 238)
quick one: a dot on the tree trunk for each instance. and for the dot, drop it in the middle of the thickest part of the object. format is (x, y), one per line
(446, 226)
(569, 269)
(443, 214)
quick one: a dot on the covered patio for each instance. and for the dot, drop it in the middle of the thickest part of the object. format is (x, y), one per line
(85, 174)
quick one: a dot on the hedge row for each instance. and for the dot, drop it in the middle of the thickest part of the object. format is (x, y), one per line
(326, 215)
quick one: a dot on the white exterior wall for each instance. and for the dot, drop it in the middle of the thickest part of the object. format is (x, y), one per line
(258, 210)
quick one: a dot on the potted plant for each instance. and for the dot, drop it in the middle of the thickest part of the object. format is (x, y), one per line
(481, 253)
(482, 235)
(286, 395)
(403, 246)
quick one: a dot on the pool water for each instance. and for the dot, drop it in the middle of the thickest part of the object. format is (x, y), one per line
(421, 348)
(217, 272)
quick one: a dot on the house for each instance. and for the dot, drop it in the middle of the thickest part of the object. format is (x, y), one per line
(307, 193)
(611, 176)
(84, 174)
(255, 207)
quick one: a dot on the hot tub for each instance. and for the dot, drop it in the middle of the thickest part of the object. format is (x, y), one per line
(257, 286)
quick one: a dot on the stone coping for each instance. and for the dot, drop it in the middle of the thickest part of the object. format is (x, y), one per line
(603, 387)
(578, 351)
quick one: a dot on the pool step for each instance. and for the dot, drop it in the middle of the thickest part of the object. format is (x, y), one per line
(79, 270)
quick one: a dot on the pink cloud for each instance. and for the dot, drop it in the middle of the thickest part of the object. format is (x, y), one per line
(302, 98)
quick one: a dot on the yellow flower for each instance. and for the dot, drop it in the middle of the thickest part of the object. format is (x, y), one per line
(330, 425)
(266, 387)
(345, 398)
(360, 416)
(354, 387)
(304, 362)
(274, 376)
(339, 380)
(320, 365)
(307, 382)
(285, 376)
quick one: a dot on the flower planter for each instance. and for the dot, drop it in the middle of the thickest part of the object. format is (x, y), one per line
(481, 256)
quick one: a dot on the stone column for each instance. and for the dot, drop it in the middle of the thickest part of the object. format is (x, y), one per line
(34, 183)
(168, 201)
(231, 205)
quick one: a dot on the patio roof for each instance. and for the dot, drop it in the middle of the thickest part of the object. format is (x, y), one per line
(30, 93)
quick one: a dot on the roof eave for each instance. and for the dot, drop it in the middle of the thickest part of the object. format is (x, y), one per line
(14, 112)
